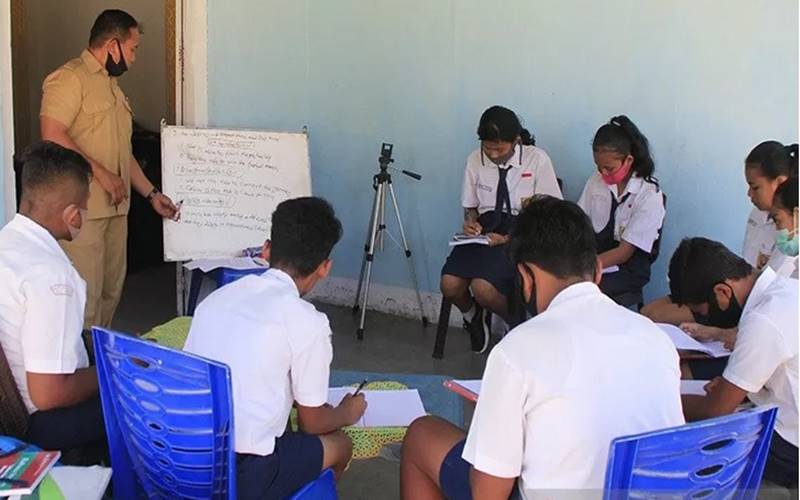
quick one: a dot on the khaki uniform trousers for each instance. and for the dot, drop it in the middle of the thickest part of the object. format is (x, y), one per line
(100, 256)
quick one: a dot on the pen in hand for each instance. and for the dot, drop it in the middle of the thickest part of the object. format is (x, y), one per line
(360, 386)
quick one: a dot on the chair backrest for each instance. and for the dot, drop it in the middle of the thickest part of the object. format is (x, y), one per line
(169, 420)
(13, 412)
(225, 275)
(717, 458)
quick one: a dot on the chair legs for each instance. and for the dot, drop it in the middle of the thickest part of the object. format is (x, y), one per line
(441, 329)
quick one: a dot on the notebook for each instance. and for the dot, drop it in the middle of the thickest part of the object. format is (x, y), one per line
(684, 342)
(463, 239)
(384, 408)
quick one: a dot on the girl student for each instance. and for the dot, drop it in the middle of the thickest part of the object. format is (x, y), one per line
(500, 176)
(766, 167)
(625, 204)
(784, 213)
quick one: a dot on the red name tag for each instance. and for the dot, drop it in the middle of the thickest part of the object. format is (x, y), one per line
(527, 174)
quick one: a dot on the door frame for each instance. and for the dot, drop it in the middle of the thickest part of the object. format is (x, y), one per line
(191, 89)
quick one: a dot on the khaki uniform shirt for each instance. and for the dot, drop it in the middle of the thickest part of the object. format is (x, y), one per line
(82, 96)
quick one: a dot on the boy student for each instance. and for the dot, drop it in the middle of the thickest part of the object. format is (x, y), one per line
(42, 301)
(712, 281)
(559, 387)
(278, 347)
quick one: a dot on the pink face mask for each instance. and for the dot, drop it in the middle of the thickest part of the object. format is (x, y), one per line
(619, 174)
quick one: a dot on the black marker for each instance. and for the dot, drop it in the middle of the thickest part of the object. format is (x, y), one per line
(360, 386)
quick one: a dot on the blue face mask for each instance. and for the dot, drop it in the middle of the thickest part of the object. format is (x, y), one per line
(786, 243)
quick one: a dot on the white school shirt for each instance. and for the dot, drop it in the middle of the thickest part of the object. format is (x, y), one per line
(531, 175)
(759, 245)
(637, 220)
(42, 298)
(278, 347)
(764, 359)
(561, 386)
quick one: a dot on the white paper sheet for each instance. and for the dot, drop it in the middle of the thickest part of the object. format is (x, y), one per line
(384, 408)
(82, 483)
(470, 385)
(242, 263)
(693, 387)
(684, 342)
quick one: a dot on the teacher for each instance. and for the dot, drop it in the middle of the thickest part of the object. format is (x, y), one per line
(84, 109)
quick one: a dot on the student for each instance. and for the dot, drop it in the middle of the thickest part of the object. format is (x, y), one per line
(784, 213)
(766, 167)
(711, 280)
(278, 347)
(42, 300)
(559, 387)
(504, 172)
(625, 204)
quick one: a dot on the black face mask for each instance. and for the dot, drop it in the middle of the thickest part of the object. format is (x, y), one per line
(728, 318)
(116, 68)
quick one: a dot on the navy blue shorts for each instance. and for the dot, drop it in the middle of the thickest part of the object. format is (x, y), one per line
(296, 461)
(454, 474)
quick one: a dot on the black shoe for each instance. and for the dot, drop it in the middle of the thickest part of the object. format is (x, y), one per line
(478, 332)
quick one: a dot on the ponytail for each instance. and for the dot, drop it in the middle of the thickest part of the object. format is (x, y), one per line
(527, 139)
(773, 159)
(623, 137)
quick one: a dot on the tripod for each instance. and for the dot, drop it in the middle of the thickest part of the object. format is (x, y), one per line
(381, 183)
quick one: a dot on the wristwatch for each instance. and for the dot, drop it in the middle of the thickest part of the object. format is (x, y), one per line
(152, 194)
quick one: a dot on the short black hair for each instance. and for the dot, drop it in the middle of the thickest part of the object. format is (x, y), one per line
(112, 23)
(786, 194)
(304, 231)
(46, 164)
(697, 265)
(557, 236)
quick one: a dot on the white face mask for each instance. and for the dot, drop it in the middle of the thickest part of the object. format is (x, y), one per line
(75, 231)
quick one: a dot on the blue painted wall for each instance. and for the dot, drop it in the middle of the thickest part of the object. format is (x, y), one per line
(705, 80)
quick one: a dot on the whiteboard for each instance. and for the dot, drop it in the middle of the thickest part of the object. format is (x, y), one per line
(230, 182)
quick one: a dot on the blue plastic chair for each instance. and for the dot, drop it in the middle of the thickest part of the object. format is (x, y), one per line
(322, 488)
(169, 420)
(717, 458)
(221, 276)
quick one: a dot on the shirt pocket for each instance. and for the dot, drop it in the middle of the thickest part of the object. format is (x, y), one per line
(100, 113)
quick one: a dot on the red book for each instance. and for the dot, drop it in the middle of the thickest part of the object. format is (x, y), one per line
(21, 472)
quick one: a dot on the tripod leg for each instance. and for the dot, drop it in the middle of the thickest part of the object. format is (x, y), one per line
(369, 258)
(364, 260)
(382, 224)
(409, 259)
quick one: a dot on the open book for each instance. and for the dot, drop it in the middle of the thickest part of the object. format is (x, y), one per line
(384, 408)
(467, 389)
(684, 342)
(21, 472)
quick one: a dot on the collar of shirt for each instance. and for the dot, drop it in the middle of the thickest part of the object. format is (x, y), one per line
(760, 217)
(513, 161)
(92, 64)
(762, 283)
(30, 227)
(283, 278)
(574, 292)
(634, 186)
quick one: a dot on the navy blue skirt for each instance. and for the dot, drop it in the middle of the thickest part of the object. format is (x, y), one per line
(492, 264)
